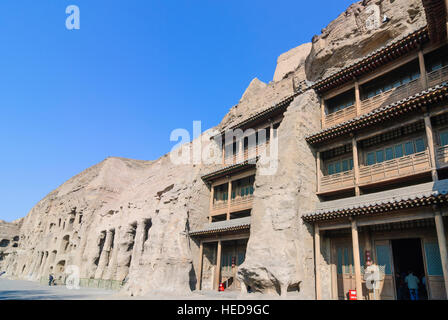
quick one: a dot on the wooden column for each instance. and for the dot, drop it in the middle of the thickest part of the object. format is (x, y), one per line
(442, 246)
(201, 260)
(318, 171)
(357, 98)
(446, 9)
(356, 165)
(356, 260)
(212, 199)
(229, 200)
(334, 273)
(317, 261)
(432, 152)
(423, 77)
(218, 265)
(322, 111)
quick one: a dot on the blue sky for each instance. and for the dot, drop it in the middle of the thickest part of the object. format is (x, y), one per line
(136, 70)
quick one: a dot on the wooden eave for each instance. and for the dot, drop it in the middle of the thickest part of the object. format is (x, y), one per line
(424, 99)
(373, 61)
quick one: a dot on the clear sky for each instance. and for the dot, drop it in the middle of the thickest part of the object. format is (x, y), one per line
(136, 70)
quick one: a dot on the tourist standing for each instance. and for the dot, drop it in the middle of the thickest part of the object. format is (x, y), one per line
(412, 281)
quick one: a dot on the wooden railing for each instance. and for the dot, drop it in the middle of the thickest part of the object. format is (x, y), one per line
(247, 154)
(437, 77)
(237, 204)
(337, 181)
(391, 96)
(396, 168)
(442, 156)
(241, 203)
(340, 116)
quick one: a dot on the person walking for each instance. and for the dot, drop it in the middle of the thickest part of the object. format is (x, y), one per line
(50, 279)
(412, 281)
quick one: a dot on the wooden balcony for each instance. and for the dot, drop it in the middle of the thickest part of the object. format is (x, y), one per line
(437, 77)
(397, 168)
(248, 154)
(236, 205)
(337, 182)
(340, 116)
(442, 156)
(391, 96)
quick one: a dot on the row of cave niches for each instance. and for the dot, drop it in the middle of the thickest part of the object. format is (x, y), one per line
(116, 249)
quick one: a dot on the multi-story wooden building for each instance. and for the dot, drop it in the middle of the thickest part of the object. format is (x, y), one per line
(382, 172)
(223, 241)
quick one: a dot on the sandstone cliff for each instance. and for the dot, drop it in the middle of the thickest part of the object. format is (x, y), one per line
(128, 220)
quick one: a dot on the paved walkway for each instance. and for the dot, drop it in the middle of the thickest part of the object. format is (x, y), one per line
(28, 290)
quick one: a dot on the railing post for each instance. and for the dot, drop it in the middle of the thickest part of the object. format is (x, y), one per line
(423, 76)
(430, 139)
(357, 98)
(212, 198)
(229, 200)
(319, 172)
(356, 165)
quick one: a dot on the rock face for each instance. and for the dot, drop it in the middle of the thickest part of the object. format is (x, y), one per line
(280, 249)
(9, 242)
(129, 220)
(360, 30)
(291, 61)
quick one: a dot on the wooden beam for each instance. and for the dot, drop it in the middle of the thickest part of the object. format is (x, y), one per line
(318, 171)
(432, 152)
(334, 272)
(423, 76)
(322, 111)
(357, 98)
(441, 236)
(201, 260)
(330, 227)
(229, 200)
(393, 218)
(356, 165)
(212, 199)
(218, 266)
(317, 261)
(356, 260)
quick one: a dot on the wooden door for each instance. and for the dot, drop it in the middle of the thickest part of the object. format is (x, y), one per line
(383, 258)
(434, 273)
(233, 255)
(344, 269)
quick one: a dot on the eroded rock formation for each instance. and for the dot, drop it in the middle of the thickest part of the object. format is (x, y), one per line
(129, 220)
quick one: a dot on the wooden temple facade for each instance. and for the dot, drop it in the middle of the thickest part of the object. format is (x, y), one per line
(382, 169)
(223, 240)
(382, 174)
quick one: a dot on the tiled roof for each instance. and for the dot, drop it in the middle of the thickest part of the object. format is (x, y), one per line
(282, 105)
(430, 96)
(408, 197)
(229, 169)
(374, 60)
(223, 226)
(435, 11)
